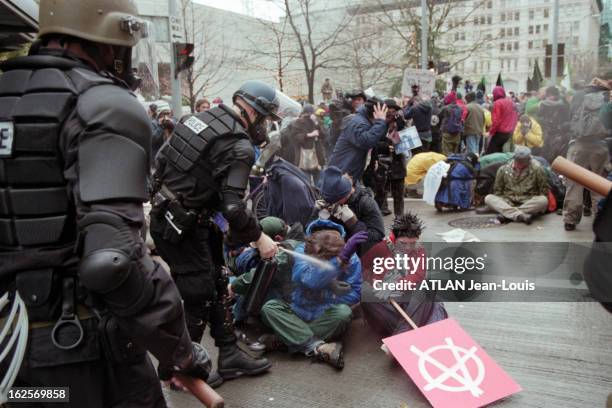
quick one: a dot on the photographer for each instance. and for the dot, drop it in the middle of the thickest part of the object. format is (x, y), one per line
(163, 126)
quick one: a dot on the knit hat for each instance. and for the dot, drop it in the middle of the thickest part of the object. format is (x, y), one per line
(522, 152)
(273, 226)
(333, 186)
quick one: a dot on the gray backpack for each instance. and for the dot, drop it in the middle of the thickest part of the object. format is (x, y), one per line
(586, 123)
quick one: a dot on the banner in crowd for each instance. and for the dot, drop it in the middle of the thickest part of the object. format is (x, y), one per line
(426, 80)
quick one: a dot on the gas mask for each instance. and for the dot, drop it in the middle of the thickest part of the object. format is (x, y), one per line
(257, 130)
(122, 67)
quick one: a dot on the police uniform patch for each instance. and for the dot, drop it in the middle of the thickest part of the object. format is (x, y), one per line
(195, 124)
(6, 139)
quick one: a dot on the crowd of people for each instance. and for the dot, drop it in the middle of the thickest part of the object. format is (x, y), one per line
(72, 237)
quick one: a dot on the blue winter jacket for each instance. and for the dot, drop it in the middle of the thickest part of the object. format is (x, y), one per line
(357, 137)
(311, 296)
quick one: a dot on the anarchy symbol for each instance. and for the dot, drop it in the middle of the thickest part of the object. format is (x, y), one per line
(461, 355)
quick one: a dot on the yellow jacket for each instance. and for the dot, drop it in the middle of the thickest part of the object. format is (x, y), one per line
(417, 166)
(532, 139)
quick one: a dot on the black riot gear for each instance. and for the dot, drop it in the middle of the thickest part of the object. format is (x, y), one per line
(73, 175)
(263, 99)
(200, 173)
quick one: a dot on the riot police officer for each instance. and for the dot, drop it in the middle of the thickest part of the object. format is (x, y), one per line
(73, 173)
(203, 171)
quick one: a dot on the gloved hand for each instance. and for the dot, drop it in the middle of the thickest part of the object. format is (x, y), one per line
(351, 245)
(323, 207)
(200, 366)
(340, 288)
(345, 215)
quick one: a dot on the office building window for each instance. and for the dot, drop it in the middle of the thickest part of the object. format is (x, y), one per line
(489, 20)
(530, 29)
(502, 46)
(516, 45)
(530, 44)
(545, 28)
(517, 16)
(503, 17)
(531, 14)
(516, 31)
(546, 13)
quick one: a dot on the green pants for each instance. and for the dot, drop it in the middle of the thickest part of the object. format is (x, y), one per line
(298, 334)
(450, 143)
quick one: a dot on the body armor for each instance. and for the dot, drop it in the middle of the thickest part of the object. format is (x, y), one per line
(35, 207)
(200, 153)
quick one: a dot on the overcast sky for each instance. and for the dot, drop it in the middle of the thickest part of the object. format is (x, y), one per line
(259, 8)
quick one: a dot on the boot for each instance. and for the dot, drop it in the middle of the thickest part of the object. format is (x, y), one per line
(330, 353)
(214, 379)
(234, 363)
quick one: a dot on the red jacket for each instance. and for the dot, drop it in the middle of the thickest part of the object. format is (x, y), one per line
(504, 116)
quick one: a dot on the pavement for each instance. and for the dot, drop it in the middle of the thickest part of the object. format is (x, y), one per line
(558, 352)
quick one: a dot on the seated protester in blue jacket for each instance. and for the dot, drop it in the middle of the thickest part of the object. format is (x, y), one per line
(319, 312)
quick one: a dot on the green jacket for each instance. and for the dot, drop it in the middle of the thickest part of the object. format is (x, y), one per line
(517, 189)
(282, 282)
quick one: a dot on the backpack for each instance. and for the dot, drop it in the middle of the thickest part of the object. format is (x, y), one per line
(586, 123)
(454, 123)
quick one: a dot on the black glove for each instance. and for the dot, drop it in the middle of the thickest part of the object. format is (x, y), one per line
(200, 366)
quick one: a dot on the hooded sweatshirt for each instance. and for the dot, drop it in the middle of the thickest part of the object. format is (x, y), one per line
(505, 116)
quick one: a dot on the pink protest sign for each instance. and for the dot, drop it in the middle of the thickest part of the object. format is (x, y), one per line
(449, 367)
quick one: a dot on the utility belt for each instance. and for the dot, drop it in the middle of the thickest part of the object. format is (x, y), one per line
(62, 329)
(179, 220)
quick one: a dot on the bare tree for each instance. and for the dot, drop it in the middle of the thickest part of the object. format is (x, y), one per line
(274, 44)
(445, 18)
(211, 51)
(315, 48)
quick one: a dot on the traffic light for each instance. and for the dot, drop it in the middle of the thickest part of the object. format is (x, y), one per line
(443, 67)
(184, 56)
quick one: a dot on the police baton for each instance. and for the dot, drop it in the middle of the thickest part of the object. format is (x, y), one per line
(202, 391)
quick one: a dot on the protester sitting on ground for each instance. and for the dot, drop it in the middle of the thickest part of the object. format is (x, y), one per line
(520, 190)
(417, 168)
(528, 133)
(420, 307)
(243, 264)
(319, 312)
(349, 205)
(360, 133)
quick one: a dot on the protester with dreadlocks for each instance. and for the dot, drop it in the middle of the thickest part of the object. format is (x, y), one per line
(378, 312)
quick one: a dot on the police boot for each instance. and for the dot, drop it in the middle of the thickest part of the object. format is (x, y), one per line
(233, 363)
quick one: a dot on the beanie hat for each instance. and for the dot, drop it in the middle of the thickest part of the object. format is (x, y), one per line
(333, 186)
(522, 152)
(272, 226)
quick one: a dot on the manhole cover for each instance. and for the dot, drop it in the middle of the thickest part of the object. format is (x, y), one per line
(475, 222)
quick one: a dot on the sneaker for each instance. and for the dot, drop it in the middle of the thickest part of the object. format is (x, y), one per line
(570, 227)
(330, 353)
